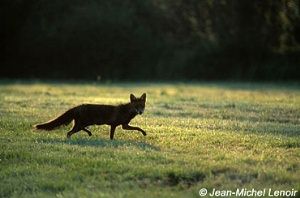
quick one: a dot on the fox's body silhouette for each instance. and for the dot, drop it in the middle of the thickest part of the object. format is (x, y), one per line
(96, 114)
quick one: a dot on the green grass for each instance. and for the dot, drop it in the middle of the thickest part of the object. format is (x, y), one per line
(212, 135)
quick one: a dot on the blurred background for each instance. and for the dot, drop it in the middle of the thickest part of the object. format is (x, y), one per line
(150, 39)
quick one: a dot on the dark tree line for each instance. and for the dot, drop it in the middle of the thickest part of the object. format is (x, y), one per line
(150, 39)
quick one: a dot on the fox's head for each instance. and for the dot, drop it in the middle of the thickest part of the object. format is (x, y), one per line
(138, 103)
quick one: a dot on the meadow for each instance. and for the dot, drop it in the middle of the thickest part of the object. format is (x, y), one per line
(199, 135)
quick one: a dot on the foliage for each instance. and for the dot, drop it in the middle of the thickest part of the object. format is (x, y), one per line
(150, 39)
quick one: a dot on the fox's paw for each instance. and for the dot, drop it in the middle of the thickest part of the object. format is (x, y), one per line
(144, 133)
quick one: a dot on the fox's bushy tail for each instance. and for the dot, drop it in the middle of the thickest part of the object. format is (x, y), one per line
(65, 118)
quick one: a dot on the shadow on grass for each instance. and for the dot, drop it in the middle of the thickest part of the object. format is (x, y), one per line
(103, 143)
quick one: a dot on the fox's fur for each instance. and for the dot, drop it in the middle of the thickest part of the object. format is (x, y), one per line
(96, 114)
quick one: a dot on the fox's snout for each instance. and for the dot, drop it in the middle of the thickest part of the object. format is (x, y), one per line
(140, 111)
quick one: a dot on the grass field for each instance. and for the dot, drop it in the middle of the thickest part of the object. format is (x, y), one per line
(205, 135)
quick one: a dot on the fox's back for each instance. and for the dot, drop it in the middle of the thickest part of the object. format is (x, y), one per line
(89, 114)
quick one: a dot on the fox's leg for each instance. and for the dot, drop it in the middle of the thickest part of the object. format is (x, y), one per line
(75, 129)
(127, 127)
(112, 131)
(71, 132)
(88, 132)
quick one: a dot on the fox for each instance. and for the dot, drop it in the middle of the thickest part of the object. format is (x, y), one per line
(85, 115)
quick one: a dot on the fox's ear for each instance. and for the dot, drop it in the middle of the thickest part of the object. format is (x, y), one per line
(143, 97)
(132, 98)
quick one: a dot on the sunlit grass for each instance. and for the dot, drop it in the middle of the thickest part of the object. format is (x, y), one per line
(213, 135)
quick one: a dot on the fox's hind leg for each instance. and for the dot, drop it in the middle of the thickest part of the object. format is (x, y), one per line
(71, 132)
(75, 129)
(88, 132)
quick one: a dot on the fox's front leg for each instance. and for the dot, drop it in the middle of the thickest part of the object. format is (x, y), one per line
(127, 127)
(112, 131)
